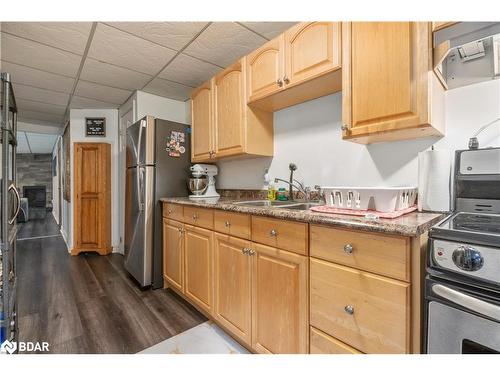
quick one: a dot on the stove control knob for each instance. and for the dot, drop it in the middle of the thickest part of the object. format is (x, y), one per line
(467, 258)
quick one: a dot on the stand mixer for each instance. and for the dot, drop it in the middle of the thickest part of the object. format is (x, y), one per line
(198, 185)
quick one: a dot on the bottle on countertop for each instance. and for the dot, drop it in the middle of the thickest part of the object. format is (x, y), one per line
(271, 191)
(282, 194)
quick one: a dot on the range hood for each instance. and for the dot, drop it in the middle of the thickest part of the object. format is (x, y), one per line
(467, 53)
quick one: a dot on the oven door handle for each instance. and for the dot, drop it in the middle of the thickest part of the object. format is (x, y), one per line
(464, 300)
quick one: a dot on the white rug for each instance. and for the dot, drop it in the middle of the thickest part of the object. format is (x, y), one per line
(206, 338)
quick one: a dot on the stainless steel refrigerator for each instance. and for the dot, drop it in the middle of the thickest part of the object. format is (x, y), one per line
(158, 160)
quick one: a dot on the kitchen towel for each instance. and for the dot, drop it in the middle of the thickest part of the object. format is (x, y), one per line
(434, 171)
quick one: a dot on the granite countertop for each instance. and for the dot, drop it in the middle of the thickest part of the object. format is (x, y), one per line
(412, 224)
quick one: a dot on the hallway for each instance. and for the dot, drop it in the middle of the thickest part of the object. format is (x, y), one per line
(88, 303)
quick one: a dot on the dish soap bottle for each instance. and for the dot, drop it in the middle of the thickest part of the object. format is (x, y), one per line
(271, 192)
(282, 194)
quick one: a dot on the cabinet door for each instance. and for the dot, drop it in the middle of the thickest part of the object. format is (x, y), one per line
(280, 322)
(311, 49)
(385, 71)
(229, 102)
(233, 286)
(202, 123)
(198, 278)
(173, 254)
(265, 69)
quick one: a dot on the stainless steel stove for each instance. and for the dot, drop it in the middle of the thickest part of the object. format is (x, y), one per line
(463, 274)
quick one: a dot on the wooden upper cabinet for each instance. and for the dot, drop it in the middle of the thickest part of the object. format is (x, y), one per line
(299, 65)
(265, 69)
(92, 198)
(223, 124)
(202, 137)
(389, 91)
(311, 49)
(173, 254)
(280, 308)
(229, 99)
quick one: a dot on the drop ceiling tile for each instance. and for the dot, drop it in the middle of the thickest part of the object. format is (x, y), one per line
(269, 30)
(40, 95)
(222, 43)
(189, 71)
(77, 102)
(174, 35)
(112, 75)
(29, 105)
(102, 93)
(70, 36)
(33, 77)
(41, 143)
(122, 49)
(25, 52)
(168, 89)
(39, 116)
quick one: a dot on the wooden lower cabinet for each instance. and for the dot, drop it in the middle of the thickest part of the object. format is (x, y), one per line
(280, 308)
(198, 259)
(321, 343)
(233, 286)
(368, 312)
(173, 254)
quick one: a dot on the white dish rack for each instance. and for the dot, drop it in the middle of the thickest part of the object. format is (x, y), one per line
(388, 199)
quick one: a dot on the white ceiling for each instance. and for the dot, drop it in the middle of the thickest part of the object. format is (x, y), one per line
(56, 66)
(35, 143)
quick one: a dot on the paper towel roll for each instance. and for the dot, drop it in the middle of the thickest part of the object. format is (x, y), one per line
(434, 171)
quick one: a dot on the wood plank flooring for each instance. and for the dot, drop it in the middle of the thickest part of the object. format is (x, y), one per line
(89, 303)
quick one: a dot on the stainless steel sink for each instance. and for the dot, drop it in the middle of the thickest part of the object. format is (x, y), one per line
(302, 206)
(263, 203)
(289, 205)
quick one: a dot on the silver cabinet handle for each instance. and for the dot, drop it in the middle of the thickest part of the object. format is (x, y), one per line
(169, 211)
(181, 231)
(251, 252)
(279, 82)
(344, 127)
(195, 217)
(273, 233)
(349, 309)
(18, 203)
(245, 250)
(227, 224)
(348, 248)
(286, 80)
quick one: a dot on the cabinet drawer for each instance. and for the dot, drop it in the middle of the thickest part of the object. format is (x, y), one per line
(232, 223)
(379, 321)
(378, 253)
(173, 211)
(282, 234)
(321, 343)
(200, 217)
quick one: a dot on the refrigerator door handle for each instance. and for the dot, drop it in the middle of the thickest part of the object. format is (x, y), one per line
(140, 187)
(12, 187)
(139, 141)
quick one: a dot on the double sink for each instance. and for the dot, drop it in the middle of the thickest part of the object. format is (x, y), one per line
(288, 205)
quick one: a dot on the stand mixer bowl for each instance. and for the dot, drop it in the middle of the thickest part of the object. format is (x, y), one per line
(198, 185)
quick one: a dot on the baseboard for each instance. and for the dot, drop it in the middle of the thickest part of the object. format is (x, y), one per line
(65, 238)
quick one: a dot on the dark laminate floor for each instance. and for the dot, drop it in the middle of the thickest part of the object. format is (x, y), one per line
(88, 303)
(38, 228)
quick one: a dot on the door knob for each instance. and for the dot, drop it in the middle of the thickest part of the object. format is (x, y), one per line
(279, 82)
(251, 252)
(273, 233)
(227, 224)
(286, 80)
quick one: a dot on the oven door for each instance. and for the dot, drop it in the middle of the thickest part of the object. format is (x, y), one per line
(461, 322)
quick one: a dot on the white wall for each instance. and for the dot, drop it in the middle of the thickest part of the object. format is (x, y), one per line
(77, 134)
(309, 135)
(158, 106)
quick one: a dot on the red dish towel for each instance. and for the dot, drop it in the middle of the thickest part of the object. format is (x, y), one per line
(342, 211)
